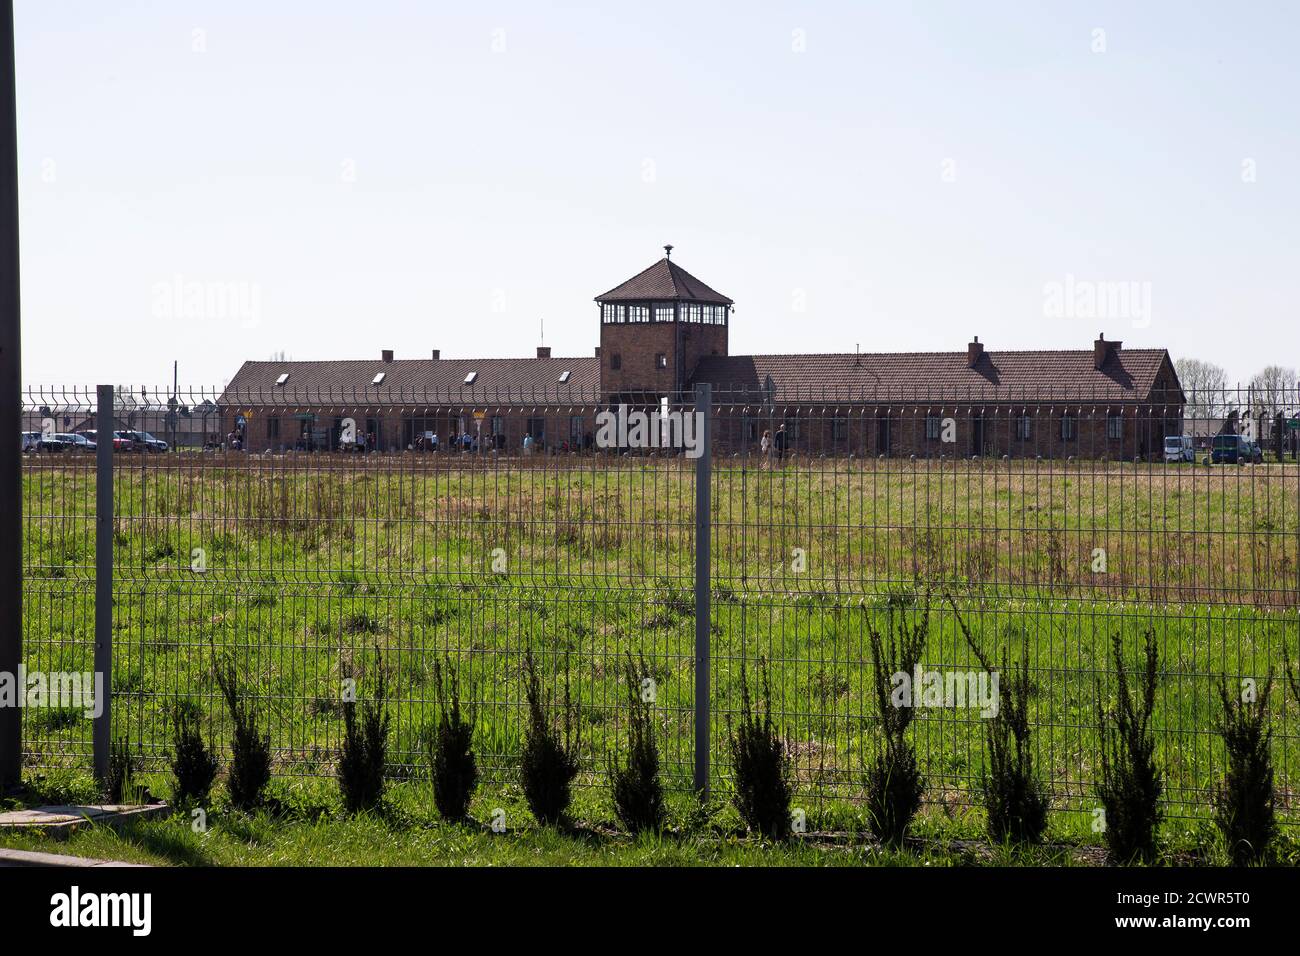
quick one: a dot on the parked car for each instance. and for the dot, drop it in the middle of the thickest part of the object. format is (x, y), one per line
(1179, 448)
(1235, 450)
(55, 442)
(31, 441)
(142, 441)
(119, 443)
(75, 442)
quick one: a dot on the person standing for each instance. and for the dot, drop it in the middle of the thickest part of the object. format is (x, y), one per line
(782, 442)
(765, 447)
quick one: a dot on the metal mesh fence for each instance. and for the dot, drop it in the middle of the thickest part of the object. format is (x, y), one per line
(312, 536)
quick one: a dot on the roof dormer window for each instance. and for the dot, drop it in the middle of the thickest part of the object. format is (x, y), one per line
(469, 379)
(284, 377)
(378, 379)
(564, 376)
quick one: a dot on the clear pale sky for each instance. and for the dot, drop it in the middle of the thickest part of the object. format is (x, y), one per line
(404, 175)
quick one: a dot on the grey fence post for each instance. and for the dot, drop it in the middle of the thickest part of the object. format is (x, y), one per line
(103, 732)
(703, 507)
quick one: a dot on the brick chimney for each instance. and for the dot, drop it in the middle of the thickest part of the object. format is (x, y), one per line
(437, 354)
(1101, 350)
(543, 351)
(973, 352)
(386, 355)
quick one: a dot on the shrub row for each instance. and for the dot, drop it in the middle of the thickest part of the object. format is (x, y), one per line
(1015, 795)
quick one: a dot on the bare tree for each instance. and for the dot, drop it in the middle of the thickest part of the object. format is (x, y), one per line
(1205, 385)
(1273, 390)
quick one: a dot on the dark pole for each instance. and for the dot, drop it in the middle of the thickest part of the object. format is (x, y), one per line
(703, 581)
(102, 734)
(11, 398)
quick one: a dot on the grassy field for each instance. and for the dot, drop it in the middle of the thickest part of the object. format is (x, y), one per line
(308, 829)
(315, 565)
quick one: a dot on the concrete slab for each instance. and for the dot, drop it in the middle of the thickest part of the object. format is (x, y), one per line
(59, 821)
(33, 858)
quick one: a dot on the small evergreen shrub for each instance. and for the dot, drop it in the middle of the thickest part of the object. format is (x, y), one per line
(194, 767)
(250, 750)
(760, 763)
(1015, 797)
(894, 782)
(550, 757)
(1130, 783)
(121, 785)
(638, 792)
(452, 764)
(364, 755)
(1244, 804)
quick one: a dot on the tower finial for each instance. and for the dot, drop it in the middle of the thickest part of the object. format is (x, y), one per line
(668, 252)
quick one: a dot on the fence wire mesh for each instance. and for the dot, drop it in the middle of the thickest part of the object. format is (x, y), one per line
(315, 535)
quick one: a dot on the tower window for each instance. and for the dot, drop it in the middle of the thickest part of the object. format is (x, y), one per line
(638, 313)
(661, 360)
(616, 361)
(664, 312)
(612, 313)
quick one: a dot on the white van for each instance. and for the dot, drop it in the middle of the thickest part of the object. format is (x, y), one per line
(1179, 448)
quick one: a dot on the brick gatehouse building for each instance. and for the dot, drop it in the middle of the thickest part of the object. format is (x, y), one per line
(663, 332)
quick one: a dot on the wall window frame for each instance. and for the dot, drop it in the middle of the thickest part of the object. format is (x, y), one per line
(1069, 427)
(1114, 427)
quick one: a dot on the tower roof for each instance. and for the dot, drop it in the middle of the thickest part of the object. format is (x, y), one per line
(665, 280)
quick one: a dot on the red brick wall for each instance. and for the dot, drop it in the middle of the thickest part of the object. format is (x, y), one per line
(988, 430)
(638, 344)
(394, 425)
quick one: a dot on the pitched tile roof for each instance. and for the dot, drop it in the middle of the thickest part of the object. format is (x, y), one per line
(1129, 375)
(421, 381)
(665, 280)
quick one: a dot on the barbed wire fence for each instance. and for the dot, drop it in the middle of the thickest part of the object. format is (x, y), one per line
(313, 534)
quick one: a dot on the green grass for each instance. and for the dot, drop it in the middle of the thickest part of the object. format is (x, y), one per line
(313, 563)
(311, 831)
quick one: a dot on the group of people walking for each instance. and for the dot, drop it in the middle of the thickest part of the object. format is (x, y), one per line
(773, 445)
